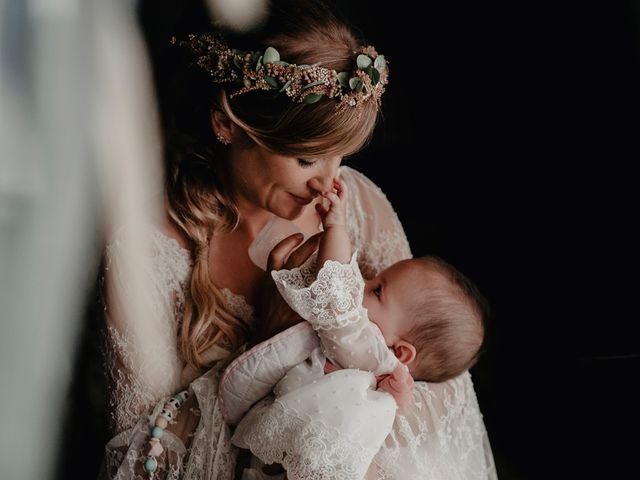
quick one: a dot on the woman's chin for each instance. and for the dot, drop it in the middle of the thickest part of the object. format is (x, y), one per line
(290, 213)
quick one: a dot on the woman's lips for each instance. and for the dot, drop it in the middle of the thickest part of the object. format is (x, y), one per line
(302, 200)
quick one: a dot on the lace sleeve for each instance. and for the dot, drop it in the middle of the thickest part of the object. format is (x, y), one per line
(332, 304)
(374, 227)
(145, 368)
(441, 436)
(332, 300)
(142, 360)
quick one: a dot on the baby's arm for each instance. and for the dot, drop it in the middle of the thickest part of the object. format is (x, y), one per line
(335, 243)
(360, 345)
(331, 302)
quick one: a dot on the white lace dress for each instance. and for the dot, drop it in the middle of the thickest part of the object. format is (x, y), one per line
(442, 437)
(325, 426)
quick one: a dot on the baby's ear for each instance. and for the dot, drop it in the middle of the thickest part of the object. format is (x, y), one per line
(405, 352)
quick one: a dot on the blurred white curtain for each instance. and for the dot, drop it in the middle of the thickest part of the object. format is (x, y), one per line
(79, 152)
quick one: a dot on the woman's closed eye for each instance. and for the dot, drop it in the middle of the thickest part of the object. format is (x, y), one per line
(378, 290)
(306, 163)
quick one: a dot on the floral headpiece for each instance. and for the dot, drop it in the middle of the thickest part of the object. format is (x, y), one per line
(256, 70)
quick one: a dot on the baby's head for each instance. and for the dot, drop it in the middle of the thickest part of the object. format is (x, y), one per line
(430, 314)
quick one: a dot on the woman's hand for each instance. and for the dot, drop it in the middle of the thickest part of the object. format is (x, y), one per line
(273, 313)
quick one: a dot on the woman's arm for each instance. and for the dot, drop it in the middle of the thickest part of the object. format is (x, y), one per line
(142, 361)
(331, 302)
(442, 434)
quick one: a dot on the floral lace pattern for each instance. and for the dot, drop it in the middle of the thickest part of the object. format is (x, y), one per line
(128, 396)
(237, 305)
(444, 437)
(131, 394)
(333, 300)
(374, 228)
(324, 447)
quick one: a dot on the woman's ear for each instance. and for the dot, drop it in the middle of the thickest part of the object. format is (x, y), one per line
(405, 352)
(221, 125)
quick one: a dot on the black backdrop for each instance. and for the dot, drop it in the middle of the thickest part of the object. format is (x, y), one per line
(506, 148)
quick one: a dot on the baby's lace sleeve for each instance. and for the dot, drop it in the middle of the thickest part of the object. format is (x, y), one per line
(332, 304)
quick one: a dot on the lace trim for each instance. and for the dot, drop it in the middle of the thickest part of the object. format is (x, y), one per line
(238, 305)
(181, 263)
(308, 449)
(180, 256)
(333, 300)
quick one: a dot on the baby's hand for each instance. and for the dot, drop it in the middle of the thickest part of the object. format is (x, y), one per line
(334, 214)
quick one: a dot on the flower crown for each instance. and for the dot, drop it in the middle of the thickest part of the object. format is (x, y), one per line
(256, 70)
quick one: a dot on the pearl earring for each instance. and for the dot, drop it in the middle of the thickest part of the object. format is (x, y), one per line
(222, 139)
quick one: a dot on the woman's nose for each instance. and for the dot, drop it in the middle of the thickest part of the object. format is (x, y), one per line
(323, 181)
(321, 184)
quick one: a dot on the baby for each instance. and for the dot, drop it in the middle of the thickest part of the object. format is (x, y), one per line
(419, 318)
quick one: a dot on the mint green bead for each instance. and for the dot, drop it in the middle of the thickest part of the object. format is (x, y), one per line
(150, 465)
(157, 432)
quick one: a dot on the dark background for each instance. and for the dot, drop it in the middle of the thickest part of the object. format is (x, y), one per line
(507, 147)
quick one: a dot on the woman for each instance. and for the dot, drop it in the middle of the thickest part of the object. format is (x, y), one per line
(279, 128)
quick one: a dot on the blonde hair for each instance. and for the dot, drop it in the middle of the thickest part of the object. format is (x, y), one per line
(200, 201)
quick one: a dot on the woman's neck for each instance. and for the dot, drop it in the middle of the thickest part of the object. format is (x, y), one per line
(252, 219)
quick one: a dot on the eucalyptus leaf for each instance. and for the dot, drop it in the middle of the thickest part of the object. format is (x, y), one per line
(312, 98)
(271, 55)
(380, 63)
(286, 85)
(375, 76)
(343, 78)
(312, 84)
(236, 62)
(273, 83)
(354, 82)
(259, 63)
(363, 61)
(246, 82)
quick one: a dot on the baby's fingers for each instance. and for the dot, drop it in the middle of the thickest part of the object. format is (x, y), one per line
(340, 187)
(332, 197)
(322, 210)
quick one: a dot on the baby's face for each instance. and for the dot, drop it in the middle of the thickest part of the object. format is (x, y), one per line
(388, 296)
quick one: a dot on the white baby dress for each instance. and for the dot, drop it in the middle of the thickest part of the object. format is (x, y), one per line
(326, 426)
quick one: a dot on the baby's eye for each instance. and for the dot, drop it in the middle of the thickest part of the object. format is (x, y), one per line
(377, 291)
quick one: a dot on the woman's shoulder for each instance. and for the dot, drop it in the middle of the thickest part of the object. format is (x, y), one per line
(168, 254)
(359, 183)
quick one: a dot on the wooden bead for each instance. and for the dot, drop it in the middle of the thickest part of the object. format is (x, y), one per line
(162, 422)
